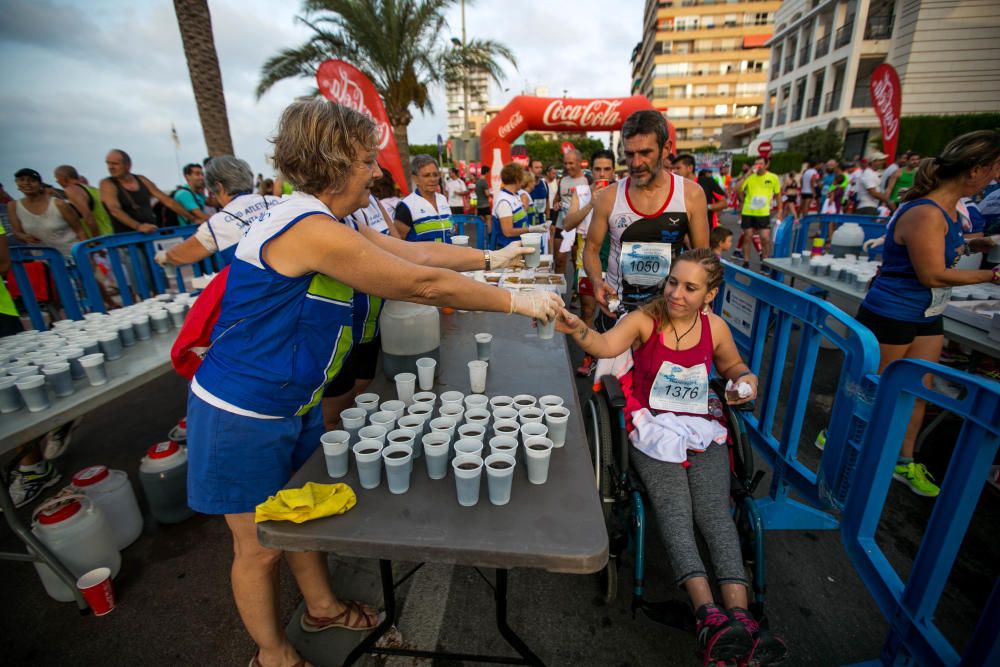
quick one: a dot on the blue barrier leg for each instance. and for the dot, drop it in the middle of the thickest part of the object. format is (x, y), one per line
(984, 647)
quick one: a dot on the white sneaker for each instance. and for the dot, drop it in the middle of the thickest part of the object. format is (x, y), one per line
(56, 441)
(27, 486)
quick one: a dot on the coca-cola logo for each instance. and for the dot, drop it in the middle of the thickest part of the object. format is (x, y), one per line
(884, 91)
(512, 122)
(346, 92)
(592, 113)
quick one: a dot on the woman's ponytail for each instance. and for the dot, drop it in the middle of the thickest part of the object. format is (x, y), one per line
(974, 149)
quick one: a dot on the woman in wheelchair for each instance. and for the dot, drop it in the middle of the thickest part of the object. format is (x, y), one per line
(675, 340)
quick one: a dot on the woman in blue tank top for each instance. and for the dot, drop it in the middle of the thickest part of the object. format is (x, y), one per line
(284, 331)
(923, 241)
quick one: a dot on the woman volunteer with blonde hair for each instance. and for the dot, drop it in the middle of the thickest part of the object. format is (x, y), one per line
(283, 333)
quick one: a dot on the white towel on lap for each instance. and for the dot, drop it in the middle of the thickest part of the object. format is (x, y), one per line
(668, 437)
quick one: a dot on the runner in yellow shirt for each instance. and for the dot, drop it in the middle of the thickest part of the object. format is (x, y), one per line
(758, 193)
(10, 321)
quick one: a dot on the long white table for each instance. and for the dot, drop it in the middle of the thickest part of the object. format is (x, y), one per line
(954, 330)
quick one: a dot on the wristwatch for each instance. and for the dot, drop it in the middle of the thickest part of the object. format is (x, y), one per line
(488, 260)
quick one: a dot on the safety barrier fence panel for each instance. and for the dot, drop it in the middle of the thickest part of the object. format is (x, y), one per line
(910, 606)
(62, 277)
(131, 258)
(763, 315)
(793, 236)
(459, 224)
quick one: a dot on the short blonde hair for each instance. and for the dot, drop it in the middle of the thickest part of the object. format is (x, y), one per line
(317, 143)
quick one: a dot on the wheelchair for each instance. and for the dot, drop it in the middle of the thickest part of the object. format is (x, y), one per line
(624, 504)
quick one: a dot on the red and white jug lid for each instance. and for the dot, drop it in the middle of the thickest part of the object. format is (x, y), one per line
(90, 476)
(57, 512)
(163, 450)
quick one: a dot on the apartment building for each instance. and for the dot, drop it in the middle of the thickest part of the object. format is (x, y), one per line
(478, 82)
(947, 54)
(704, 63)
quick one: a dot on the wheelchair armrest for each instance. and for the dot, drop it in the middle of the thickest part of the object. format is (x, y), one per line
(613, 390)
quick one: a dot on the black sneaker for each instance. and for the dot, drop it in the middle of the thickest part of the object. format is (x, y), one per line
(27, 486)
(721, 639)
(768, 648)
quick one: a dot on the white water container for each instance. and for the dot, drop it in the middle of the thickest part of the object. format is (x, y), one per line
(112, 492)
(847, 238)
(163, 474)
(74, 529)
(409, 331)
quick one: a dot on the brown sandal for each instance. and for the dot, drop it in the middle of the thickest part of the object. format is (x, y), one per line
(351, 618)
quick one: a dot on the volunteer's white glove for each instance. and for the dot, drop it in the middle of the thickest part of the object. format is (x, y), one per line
(511, 256)
(538, 229)
(161, 259)
(872, 243)
(542, 306)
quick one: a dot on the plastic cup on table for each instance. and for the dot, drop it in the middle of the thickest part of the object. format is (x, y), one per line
(524, 401)
(95, 586)
(477, 376)
(437, 448)
(176, 313)
(10, 397)
(468, 471)
(476, 401)
(400, 436)
(159, 321)
(33, 392)
(508, 427)
(478, 416)
(556, 419)
(126, 334)
(59, 378)
(352, 420)
(414, 424)
(89, 344)
(423, 410)
(530, 415)
(454, 410)
(96, 371)
(460, 240)
(140, 326)
(549, 400)
(472, 432)
(452, 397)
(385, 419)
(499, 477)
(367, 402)
(110, 344)
(427, 397)
(72, 355)
(444, 425)
(534, 430)
(368, 459)
(501, 401)
(397, 408)
(398, 465)
(484, 342)
(537, 455)
(373, 432)
(546, 330)
(22, 371)
(534, 241)
(335, 446)
(426, 367)
(406, 383)
(468, 446)
(503, 444)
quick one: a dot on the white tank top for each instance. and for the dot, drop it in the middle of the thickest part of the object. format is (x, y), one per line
(49, 227)
(642, 246)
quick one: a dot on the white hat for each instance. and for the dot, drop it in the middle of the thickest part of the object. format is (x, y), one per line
(877, 155)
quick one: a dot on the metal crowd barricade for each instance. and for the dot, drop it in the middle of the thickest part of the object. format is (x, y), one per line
(793, 235)
(61, 277)
(139, 272)
(909, 606)
(460, 222)
(762, 313)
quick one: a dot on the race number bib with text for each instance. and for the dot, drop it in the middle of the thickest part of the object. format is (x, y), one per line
(680, 389)
(645, 264)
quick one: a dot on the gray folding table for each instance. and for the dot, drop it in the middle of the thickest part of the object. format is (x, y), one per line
(557, 526)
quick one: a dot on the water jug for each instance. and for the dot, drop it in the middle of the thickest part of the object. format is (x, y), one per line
(409, 331)
(163, 475)
(847, 238)
(111, 491)
(74, 529)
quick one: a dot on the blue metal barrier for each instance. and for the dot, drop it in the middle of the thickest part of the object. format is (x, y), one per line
(792, 236)
(147, 277)
(460, 221)
(761, 314)
(19, 254)
(909, 607)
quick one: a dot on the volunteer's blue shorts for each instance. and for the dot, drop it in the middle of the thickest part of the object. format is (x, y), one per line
(236, 462)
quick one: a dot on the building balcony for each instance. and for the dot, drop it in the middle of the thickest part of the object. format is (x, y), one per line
(822, 46)
(879, 27)
(804, 55)
(832, 101)
(861, 99)
(782, 117)
(797, 112)
(844, 33)
(775, 73)
(789, 63)
(812, 106)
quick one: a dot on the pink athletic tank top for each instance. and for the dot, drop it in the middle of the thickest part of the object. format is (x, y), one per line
(650, 356)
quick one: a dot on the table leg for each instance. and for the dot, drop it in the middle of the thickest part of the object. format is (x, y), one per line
(389, 600)
(500, 594)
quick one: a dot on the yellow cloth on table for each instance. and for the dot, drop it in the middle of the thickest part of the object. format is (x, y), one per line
(313, 501)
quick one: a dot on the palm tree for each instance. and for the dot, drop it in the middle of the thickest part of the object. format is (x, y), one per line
(395, 43)
(195, 23)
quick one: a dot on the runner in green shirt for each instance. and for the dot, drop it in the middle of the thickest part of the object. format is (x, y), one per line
(757, 194)
(10, 321)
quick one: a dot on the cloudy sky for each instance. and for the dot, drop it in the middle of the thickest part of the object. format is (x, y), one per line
(82, 76)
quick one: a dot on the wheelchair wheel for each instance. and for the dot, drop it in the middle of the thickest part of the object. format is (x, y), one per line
(597, 423)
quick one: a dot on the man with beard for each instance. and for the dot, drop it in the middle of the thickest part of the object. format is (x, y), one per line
(647, 215)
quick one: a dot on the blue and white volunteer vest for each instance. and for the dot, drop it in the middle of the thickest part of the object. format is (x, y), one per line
(230, 225)
(428, 224)
(367, 307)
(520, 218)
(278, 340)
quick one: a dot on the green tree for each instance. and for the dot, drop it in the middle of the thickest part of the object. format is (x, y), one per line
(395, 43)
(817, 144)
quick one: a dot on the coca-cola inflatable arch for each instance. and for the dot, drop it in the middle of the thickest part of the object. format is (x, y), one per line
(556, 114)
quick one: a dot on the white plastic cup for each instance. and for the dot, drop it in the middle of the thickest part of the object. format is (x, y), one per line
(534, 241)
(426, 367)
(10, 397)
(454, 411)
(444, 425)
(416, 424)
(452, 397)
(159, 320)
(73, 355)
(549, 400)
(140, 326)
(460, 240)
(503, 444)
(110, 344)
(500, 477)
(59, 378)
(397, 408)
(477, 376)
(556, 418)
(398, 461)
(405, 385)
(546, 330)
(400, 436)
(422, 410)
(468, 471)
(126, 333)
(428, 397)
(436, 452)
(93, 366)
(335, 446)
(469, 446)
(484, 342)
(507, 427)
(530, 415)
(478, 416)
(537, 454)
(472, 432)
(176, 313)
(33, 392)
(534, 430)
(524, 401)
(385, 419)
(367, 402)
(373, 432)
(501, 401)
(476, 401)
(368, 459)
(353, 420)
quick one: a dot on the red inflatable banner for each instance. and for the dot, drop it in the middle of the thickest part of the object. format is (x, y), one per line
(887, 98)
(559, 114)
(344, 84)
